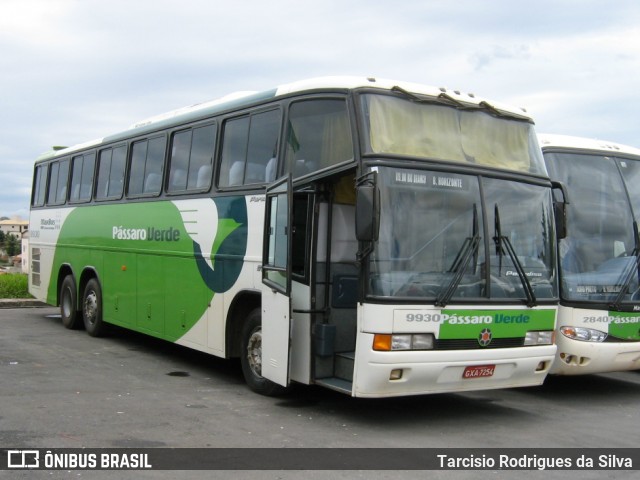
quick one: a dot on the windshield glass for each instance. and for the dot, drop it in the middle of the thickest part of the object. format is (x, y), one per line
(631, 173)
(596, 257)
(434, 243)
(400, 126)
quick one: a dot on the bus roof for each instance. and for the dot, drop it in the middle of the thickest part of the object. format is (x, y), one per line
(243, 99)
(548, 141)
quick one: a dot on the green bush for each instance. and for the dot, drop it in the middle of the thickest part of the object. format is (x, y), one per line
(14, 285)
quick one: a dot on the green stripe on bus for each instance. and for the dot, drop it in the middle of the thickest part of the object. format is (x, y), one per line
(465, 324)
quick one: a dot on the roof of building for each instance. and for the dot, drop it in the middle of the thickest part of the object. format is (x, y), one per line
(14, 222)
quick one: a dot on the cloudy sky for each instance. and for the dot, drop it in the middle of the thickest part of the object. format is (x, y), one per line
(74, 70)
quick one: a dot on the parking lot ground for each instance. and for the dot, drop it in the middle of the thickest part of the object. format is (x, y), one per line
(64, 389)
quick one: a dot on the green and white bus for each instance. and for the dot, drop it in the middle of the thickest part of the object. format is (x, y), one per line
(599, 314)
(375, 237)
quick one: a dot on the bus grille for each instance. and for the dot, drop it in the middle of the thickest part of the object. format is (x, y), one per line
(472, 344)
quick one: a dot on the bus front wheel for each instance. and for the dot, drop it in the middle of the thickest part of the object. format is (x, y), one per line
(69, 313)
(92, 309)
(251, 357)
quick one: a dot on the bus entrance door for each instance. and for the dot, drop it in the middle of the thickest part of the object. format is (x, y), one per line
(276, 280)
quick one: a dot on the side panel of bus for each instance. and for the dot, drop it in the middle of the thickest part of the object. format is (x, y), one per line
(160, 264)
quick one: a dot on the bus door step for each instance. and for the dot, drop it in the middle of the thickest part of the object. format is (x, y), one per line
(344, 363)
(337, 384)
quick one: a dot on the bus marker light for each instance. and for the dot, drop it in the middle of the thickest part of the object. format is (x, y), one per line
(396, 374)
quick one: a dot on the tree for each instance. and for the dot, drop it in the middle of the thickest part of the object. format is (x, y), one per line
(12, 245)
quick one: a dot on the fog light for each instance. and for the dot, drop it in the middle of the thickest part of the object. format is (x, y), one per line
(542, 366)
(396, 374)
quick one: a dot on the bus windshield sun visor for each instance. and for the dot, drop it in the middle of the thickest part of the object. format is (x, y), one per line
(446, 99)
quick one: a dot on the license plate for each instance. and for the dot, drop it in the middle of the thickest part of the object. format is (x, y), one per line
(479, 371)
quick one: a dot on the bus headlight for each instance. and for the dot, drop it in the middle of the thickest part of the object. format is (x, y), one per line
(417, 341)
(539, 338)
(583, 334)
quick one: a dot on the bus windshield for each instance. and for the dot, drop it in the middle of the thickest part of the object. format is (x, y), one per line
(404, 126)
(453, 237)
(631, 173)
(599, 255)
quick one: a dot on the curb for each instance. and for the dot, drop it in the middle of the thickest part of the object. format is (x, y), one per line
(21, 303)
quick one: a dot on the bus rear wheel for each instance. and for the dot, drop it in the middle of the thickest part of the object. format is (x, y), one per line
(69, 313)
(251, 357)
(92, 309)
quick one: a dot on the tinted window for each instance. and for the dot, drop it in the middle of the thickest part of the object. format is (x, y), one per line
(249, 149)
(147, 161)
(192, 159)
(53, 183)
(82, 177)
(111, 173)
(39, 186)
(318, 136)
(234, 151)
(58, 182)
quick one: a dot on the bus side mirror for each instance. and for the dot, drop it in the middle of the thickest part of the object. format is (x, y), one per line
(560, 209)
(367, 212)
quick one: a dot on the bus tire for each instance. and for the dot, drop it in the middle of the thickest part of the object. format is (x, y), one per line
(92, 309)
(251, 357)
(69, 313)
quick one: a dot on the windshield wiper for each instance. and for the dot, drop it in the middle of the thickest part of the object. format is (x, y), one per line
(503, 243)
(468, 250)
(628, 274)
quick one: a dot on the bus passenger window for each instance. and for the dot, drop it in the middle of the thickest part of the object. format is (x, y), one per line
(82, 177)
(86, 182)
(201, 160)
(39, 187)
(263, 145)
(318, 136)
(234, 151)
(58, 183)
(191, 159)
(147, 161)
(249, 148)
(111, 166)
(180, 149)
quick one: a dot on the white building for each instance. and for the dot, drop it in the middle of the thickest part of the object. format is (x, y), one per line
(15, 227)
